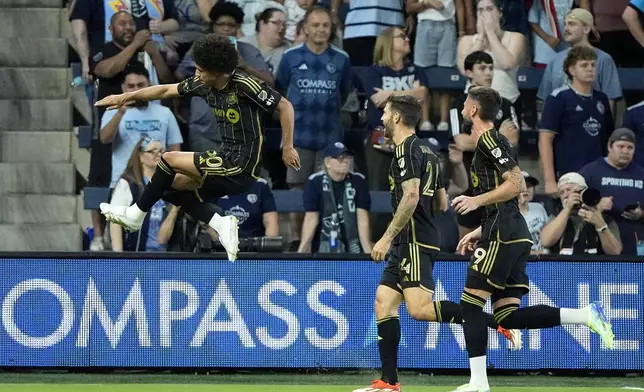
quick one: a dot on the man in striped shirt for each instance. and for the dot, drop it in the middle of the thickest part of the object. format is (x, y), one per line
(188, 179)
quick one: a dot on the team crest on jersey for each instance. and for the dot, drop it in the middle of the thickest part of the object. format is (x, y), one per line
(401, 163)
(496, 153)
(262, 95)
(600, 107)
(232, 99)
(331, 68)
(252, 198)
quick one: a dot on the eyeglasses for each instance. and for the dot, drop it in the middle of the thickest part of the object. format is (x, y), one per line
(156, 151)
(278, 23)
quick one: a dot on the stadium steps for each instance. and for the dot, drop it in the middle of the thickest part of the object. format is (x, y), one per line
(38, 205)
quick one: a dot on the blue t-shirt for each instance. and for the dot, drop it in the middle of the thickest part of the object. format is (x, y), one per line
(627, 188)
(387, 79)
(581, 125)
(249, 208)
(607, 80)
(638, 5)
(313, 198)
(317, 85)
(153, 122)
(634, 120)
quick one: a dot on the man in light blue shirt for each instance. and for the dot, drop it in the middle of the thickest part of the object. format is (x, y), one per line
(579, 24)
(126, 126)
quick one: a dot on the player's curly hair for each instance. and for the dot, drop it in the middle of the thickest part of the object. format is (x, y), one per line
(226, 8)
(215, 54)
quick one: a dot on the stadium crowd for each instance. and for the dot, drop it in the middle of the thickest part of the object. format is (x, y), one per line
(591, 151)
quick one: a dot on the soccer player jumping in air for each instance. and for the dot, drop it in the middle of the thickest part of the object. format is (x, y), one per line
(191, 179)
(417, 194)
(501, 245)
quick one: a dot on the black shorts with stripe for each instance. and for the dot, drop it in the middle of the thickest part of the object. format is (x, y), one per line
(410, 265)
(219, 176)
(500, 268)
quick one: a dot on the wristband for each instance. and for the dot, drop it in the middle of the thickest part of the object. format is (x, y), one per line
(603, 228)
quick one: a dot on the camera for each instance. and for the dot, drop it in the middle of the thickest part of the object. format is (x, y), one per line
(205, 244)
(589, 197)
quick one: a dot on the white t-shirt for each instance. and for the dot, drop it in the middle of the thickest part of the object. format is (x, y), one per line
(536, 218)
(294, 14)
(447, 13)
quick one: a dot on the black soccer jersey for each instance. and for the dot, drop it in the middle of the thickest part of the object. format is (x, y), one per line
(414, 159)
(493, 157)
(238, 109)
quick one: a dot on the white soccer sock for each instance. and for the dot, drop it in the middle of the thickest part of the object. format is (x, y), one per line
(135, 212)
(216, 222)
(575, 316)
(478, 369)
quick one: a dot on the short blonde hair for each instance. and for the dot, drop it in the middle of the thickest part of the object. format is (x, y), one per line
(383, 50)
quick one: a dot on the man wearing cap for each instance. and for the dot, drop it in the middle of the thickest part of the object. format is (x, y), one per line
(535, 214)
(578, 25)
(576, 121)
(634, 120)
(578, 228)
(337, 204)
(621, 183)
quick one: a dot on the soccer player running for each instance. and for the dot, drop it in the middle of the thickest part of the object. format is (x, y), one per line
(190, 179)
(501, 246)
(417, 193)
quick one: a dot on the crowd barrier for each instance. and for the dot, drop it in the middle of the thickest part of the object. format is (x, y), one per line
(284, 311)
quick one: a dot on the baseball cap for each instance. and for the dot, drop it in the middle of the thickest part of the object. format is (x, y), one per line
(582, 15)
(572, 178)
(530, 180)
(335, 150)
(622, 134)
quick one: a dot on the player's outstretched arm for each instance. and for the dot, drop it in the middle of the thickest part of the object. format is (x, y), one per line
(152, 93)
(406, 207)
(513, 184)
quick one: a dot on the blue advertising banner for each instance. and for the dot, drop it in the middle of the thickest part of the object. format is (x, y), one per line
(284, 313)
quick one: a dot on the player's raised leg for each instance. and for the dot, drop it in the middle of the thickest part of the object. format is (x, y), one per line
(386, 307)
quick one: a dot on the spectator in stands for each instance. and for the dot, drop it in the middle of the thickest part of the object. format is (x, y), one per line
(634, 120)
(389, 74)
(337, 204)
(633, 16)
(479, 68)
(316, 77)
(365, 22)
(578, 228)
(255, 211)
(300, 35)
(125, 126)
(227, 17)
(159, 223)
(295, 12)
(547, 20)
(507, 49)
(453, 171)
(535, 214)
(579, 24)
(514, 16)
(621, 182)
(251, 9)
(193, 19)
(127, 47)
(269, 37)
(613, 34)
(93, 21)
(576, 120)
(436, 40)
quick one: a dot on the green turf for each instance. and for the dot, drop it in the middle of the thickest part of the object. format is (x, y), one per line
(249, 387)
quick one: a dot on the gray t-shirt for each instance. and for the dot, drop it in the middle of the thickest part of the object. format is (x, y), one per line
(272, 56)
(536, 217)
(607, 80)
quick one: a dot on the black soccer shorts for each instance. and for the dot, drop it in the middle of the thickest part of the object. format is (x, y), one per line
(409, 265)
(500, 268)
(220, 176)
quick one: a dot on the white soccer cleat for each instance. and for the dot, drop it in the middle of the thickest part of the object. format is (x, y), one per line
(471, 388)
(228, 236)
(599, 324)
(516, 339)
(122, 216)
